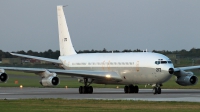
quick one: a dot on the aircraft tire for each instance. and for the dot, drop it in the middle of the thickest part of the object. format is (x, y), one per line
(155, 90)
(90, 89)
(159, 90)
(131, 89)
(80, 89)
(85, 89)
(136, 89)
(126, 89)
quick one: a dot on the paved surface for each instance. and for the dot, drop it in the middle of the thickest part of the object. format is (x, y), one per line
(188, 95)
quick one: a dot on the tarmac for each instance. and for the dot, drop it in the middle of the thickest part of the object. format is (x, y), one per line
(182, 95)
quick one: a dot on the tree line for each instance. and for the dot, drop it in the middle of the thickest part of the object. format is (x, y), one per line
(192, 53)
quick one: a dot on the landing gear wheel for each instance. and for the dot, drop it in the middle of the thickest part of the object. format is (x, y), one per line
(87, 88)
(155, 90)
(126, 89)
(81, 89)
(84, 89)
(90, 89)
(131, 89)
(136, 89)
(159, 90)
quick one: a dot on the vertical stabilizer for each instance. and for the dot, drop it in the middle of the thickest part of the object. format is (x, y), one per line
(66, 47)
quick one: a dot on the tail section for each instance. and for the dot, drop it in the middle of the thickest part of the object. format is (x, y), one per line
(66, 47)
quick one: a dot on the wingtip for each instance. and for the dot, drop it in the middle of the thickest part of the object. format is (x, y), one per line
(11, 53)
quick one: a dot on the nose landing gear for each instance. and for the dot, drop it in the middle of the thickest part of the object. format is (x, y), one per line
(157, 89)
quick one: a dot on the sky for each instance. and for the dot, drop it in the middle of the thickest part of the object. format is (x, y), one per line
(97, 24)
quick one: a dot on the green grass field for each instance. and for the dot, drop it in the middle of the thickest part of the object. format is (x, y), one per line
(32, 80)
(61, 105)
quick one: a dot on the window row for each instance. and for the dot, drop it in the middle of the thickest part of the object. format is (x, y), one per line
(105, 63)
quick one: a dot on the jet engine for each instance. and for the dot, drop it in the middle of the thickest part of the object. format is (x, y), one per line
(48, 79)
(3, 77)
(186, 79)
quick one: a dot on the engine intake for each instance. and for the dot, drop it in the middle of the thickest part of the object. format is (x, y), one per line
(3, 77)
(171, 71)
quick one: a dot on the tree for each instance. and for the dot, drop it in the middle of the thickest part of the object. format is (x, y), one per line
(104, 50)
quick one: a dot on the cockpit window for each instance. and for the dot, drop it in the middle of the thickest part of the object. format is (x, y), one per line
(169, 62)
(163, 62)
(157, 62)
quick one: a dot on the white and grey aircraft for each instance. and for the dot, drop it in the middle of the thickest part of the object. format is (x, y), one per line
(129, 69)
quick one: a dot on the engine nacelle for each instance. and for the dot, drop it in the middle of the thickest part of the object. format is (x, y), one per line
(186, 79)
(50, 81)
(48, 78)
(3, 77)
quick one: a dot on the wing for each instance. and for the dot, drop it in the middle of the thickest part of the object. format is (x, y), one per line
(96, 75)
(38, 58)
(186, 68)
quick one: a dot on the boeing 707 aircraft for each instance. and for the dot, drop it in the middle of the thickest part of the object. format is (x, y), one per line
(129, 69)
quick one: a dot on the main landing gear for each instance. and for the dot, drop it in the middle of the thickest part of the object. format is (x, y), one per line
(131, 89)
(86, 88)
(157, 90)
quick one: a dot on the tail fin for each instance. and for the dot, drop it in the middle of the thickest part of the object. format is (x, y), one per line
(66, 47)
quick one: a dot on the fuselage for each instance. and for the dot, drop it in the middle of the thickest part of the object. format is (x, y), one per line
(134, 68)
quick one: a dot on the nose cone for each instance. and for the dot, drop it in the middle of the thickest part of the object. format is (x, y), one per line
(171, 71)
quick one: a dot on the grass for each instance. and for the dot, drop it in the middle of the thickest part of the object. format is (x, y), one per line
(32, 80)
(60, 105)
